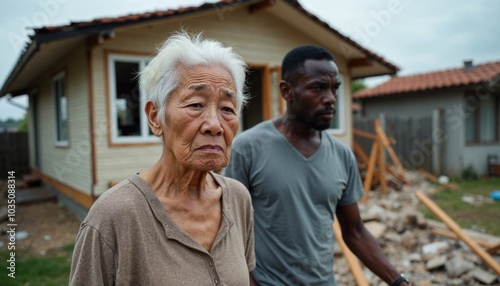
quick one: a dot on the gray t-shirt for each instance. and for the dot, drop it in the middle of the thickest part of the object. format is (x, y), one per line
(294, 200)
(128, 239)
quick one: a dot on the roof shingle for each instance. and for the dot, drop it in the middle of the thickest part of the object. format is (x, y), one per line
(434, 80)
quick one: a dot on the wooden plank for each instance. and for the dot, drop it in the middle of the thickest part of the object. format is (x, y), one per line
(397, 175)
(364, 134)
(367, 184)
(387, 145)
(428, 175)
(381, 170)
(444, 232)
(352, 260)
(453, 226)
(494, 248)
(360, 152)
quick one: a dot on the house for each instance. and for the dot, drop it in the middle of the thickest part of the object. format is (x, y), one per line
(467, 101)
(86, 108)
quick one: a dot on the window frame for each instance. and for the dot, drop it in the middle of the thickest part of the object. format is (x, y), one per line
(60, 77)
(145, 136)
(474, 114)
(340, 108)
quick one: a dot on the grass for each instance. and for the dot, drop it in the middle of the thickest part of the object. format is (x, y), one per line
(484, 216)
(49, 270)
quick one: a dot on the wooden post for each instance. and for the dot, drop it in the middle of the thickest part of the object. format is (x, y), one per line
(370, 171)
(387, 144)
(381, 170)
(453, 226)
(352, 260)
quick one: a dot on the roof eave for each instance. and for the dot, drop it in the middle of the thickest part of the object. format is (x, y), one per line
(23, 59)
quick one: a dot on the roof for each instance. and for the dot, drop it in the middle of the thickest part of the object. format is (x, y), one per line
(50, 35)
(457, 77)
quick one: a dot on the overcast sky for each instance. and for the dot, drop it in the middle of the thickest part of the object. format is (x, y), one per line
(417, 36)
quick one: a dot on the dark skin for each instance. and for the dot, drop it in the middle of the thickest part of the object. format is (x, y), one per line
(311, 98)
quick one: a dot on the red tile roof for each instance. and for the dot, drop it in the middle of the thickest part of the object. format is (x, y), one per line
(434, 80)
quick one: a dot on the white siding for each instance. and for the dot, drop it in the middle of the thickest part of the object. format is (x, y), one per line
(72, 165)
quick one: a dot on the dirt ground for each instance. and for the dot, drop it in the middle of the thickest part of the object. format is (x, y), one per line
(49, 227)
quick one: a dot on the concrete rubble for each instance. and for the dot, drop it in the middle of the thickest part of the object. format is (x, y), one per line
(406, 239)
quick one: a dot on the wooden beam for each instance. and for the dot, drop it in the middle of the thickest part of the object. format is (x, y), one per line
(453, 226)
(494, 248)
(428, 175)
(397, 175)
(267, 101)
(352, 260)
(364, 134)
(254, 8)
(382, 169)
(359, 62)
(360, 152)
(387, 145)
(367, 184)
(489, 246)
(70, 192)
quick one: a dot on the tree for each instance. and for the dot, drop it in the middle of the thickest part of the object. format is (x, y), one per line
(357, 85)
(23, 124)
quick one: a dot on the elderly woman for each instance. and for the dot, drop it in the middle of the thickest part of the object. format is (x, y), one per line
(177, 223)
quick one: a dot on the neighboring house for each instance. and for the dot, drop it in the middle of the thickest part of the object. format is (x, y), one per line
(9, 126)
(86, 109)
(468, 101)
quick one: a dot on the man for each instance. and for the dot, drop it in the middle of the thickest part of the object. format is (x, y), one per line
(299, 177)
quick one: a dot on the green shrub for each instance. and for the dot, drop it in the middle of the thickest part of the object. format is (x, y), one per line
(470, 174)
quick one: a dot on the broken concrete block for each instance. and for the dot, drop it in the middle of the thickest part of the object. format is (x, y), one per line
(436, 262)
(484, 276)
(21, 235)
(457, 266)
(376, 228)
(409, 241)
(415, 257)
(423, 283)
(435, 247)
(393, 237)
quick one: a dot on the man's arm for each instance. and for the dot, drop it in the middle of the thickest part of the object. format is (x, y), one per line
(363, 244)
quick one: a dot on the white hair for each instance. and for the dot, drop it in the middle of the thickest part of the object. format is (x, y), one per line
(162, 75)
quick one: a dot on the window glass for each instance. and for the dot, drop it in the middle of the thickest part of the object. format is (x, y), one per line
(128, 99)
(61, 109)
(338, 118)
(487, 119)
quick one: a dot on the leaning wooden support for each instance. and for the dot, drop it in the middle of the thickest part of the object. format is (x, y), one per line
(490, 247)
(453, 226)
(352, 260)
(387, 145)
(371, 170)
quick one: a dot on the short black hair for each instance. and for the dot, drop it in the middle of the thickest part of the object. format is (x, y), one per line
(295, 59)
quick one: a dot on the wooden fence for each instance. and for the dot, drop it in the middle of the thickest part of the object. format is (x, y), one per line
(412, 137)
(14, 154)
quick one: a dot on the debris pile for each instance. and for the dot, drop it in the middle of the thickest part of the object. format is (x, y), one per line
(425, 250)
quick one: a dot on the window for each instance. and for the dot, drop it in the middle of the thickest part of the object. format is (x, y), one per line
(481, 118)
(128, 120)
(61, 106)
(338, 122)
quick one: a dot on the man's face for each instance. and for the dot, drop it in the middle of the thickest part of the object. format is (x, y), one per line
(314, 95)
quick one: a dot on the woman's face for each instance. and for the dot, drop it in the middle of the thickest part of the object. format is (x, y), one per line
(201, 118)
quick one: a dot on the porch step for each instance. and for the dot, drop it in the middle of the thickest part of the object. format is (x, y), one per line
(32, 181)
(34, 194)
